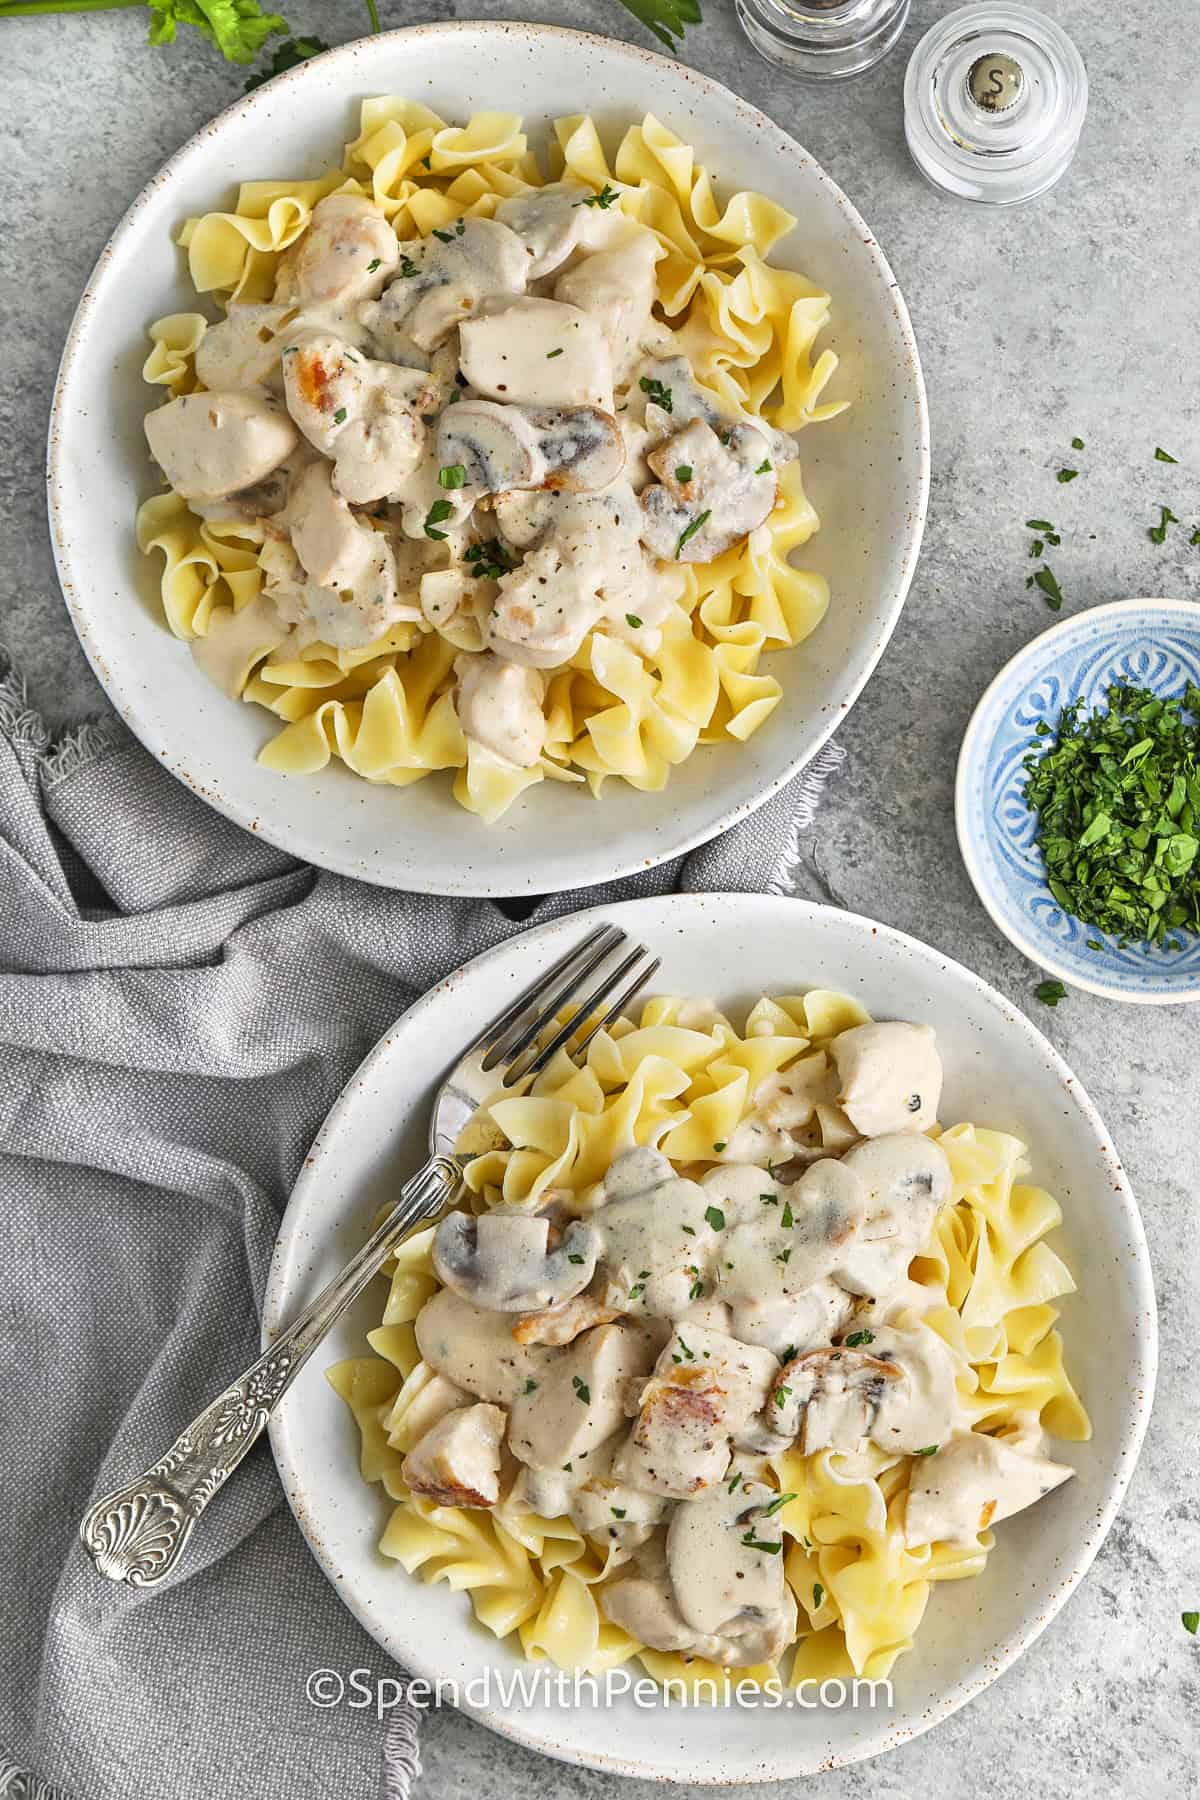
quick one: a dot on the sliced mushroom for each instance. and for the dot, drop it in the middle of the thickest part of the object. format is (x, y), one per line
(244, 348)
(578, 1401)
(210, 445)
(500, 704)
(366, 415)
(501, 1260)
(971, 1482)
(474, 1348)
(907, 1178)
(925, 1407)
(443, 279)
(890, 1077)
(830, 1399)
(457, 1462)
(346, 255)
(725, 1561)
(548, 221)
(502, 447)
(563, 1324)
(716, 487)
(539, 353)
(705, 1392)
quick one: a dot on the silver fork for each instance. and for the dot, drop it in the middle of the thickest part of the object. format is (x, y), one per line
(138, 1533)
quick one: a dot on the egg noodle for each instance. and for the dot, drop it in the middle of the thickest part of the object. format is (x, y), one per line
(683, 1078)
(616, 707)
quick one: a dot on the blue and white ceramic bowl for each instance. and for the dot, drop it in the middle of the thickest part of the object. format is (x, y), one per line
(1148, 643)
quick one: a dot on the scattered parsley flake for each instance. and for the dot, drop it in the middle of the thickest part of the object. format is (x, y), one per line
(407, 267)
(1050, 992)
(440, 510)
(1046, 580)
(1191, 1622)
(1077, 443)
(929, 1450)
(689, 531)
(1038, 525)
(632, 620)
(777, 1502)
(1161, 455)
(764, 467)
(531, 1386)
(551, 354)
(769, 1548)
(374, 264)
(452, 475)
(784, 1256)
(339, 417)
(715, 1217)
(1158, 533)
(696, 1291)
(723, 1144)
(582, 1391)
(736, 1478)
(446, 237)
(574, 1258)
(858, 1338)
(1065, 475)
(684, 472)
(656, 392)
(608, 196)
(818, 1594)
(787, 1217)
(618, 1512)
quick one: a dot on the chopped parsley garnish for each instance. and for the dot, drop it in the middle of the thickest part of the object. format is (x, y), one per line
(1158, 533)
(608, 196)
(689, 1355)
(769, 1199)
(696, 1291)
(715, 1217)
(339, 417)
(1161, 455)
(789, 1353)
(736, 1478)
(1195, 537)
(1038, 525)
(574, 1257)
(531, 1386)
(440, 510)
(1050, 992)
(551, 354)
(683, 472)
(1046, 580)
(689, 531)
(688, 1230)
(660, 395)
(787, 1217)
(769, 1548)
(726, 437)
(784, 1256)
(373, 264)
(722, 1145)
(782, 1395)
(489, 559)
(818, 1594)
(764, 467)
(637, 1290)
(632, 619)
(407, 267)
(618, 1512)
(1077, 443)
(568, 1467)
(1191, 1622)
(858, 1338)
(1066, 475)
(452, 475)
(447, 237)
(777, 1502)
(1117, 794)
(582, 1391)
(929, 1450)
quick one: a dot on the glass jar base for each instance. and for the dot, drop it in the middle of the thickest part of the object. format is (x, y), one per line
(823, 40)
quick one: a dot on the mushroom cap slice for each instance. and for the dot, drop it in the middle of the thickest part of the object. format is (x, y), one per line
(501, 1261)
(829, 1399)
(890, 1076)
(444, 278)
(212, 444)
(716, 487)
(548, 221)
(502, 447)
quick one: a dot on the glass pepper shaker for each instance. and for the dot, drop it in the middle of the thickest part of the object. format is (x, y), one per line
(824, 39)
(994, 102)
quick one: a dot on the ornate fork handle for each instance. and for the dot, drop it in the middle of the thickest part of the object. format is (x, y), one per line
(138, 1533)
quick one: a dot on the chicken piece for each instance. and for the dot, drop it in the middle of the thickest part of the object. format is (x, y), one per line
(657, 1242)
(501, 447)
(704, 1394)
(500, 704)
(457, 1462)
(890, 1077)
(787, 1323)
(644, 1603)
(445, 278)
(549, 222)
(544, 609)
(578, 1399)
(210, 445)
(365, 415)
(716, 487)
(725, 1561)
(346, 256)
(799, 1236)
(563, 1324)
(347, 617)
(335, 547)
(907, 1180)
(617, 288)
(971, 1482)
(538, 353)
(243, 350)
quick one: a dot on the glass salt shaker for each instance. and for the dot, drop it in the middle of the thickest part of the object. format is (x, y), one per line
(994, 102)
(825, 39)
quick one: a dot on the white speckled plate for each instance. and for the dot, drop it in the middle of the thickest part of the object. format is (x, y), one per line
(867, 472)
(1000, 1072)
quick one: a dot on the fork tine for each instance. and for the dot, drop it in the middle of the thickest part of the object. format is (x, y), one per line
(599, 944)
(525, 1069)
(620, 1003)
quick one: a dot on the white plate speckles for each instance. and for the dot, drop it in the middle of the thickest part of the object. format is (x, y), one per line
(868, 471)
(1000, 1072)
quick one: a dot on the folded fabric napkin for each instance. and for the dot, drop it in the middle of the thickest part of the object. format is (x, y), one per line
(180, 1005)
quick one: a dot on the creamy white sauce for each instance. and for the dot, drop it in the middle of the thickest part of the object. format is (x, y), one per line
(678, 1331)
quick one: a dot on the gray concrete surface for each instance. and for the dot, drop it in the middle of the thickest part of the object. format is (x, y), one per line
(1078, 315)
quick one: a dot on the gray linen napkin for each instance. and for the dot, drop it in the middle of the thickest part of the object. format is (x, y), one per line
(179, 1006)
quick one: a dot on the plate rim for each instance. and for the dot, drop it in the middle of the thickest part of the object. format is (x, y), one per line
(972, 739)
(510, 1724)
(663, 843)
